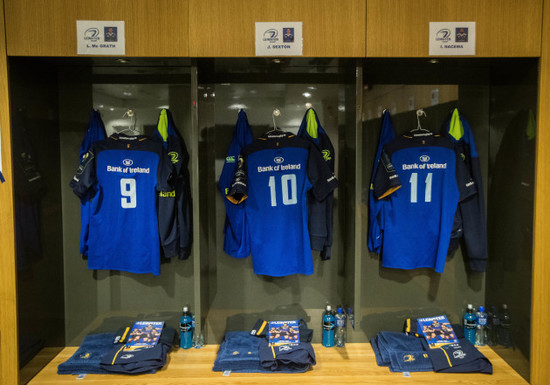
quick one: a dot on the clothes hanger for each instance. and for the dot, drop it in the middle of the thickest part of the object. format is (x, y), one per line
(276, 112)
(131, 129)
(419, 131)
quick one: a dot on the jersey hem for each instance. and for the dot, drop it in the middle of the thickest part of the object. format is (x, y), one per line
(412, 268)
(283, 275)
(126, 270)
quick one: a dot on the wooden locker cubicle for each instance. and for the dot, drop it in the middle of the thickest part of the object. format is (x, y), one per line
(9, 363)
(540, 308)
(218, 28)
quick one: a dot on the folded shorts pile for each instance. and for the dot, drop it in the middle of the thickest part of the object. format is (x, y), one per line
(107, 353)
(402, 352)
(243, 352)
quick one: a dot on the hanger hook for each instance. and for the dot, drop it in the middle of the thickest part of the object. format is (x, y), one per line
(419, 113)
(276, 112)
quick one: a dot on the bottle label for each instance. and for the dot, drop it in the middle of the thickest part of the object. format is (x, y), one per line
(186, 325)
(328, 324)
(482, 321)
(340, 323)
(469, 323)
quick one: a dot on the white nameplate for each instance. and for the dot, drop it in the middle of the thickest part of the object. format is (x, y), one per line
(100, 37)
(453, 38)
(279, 38)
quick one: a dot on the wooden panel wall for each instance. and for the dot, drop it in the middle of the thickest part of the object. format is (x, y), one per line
(9, 366)
(48, 27)
(504, 28)
(540, 312)
(222, 28)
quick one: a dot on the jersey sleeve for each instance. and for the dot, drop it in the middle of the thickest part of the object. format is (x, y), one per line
(466, 185)
(238, 191)
(320, 175)
(386, 180)
(166, 207)
(84, 180)
(165, 173)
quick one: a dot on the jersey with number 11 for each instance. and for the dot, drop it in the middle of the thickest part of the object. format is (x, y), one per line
(127, 173)
(422, 180)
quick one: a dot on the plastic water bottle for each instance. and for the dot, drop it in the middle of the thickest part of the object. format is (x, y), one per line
(351, 318)
(494, 330)
(187, 326)
(328, 327)
(505, 332)
(340, 328)
(481, 325)
(470, 324)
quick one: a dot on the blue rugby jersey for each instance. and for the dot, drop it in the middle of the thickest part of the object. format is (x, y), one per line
(423, 179)
(274, 174)
(124, 173)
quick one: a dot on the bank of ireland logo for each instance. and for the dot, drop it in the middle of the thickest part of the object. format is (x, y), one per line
(92, 34)
(443, 35)
(288, 36)
(271, 35)
(424, 158)
(461, 35)
(279, 159)
(111, 34)
(127, 162)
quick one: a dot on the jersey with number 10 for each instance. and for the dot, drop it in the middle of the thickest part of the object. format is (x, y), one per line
(274, 174)
(126, 172)
(422, 179)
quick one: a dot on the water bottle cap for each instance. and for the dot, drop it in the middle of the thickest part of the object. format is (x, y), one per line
(482, 308)
(340, 310)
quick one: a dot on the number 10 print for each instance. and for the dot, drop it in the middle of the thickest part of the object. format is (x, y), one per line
(288, 189)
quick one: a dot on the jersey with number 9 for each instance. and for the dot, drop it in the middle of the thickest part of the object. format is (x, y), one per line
(127, 173)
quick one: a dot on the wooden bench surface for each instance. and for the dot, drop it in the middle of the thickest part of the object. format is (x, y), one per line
(354, 364)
